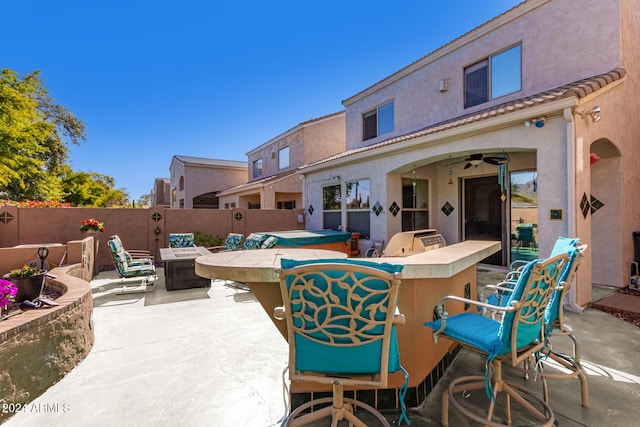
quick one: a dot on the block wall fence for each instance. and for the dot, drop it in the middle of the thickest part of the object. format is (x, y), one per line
(146, 229)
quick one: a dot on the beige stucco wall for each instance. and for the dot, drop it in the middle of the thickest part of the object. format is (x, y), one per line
(588, 43)
(307, 142)
(202, 179)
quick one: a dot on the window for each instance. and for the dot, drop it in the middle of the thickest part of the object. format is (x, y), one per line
(181, 183)
(493, 77)
(331, 205)
(378, 121)
(415, 204)
(357, 198)
(257, 168)
(287, 205)
(253, 205)
(283, 158)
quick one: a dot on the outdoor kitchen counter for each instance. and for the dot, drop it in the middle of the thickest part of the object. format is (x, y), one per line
(426, 277)
(443, 262)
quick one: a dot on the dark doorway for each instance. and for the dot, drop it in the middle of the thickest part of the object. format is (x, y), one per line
(483, 213)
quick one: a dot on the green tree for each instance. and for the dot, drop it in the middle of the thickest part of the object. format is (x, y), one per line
(90, 189)
(34, 137)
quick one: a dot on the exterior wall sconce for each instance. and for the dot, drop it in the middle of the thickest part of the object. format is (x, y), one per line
(594, 113)
(538, 122)
(336, 178)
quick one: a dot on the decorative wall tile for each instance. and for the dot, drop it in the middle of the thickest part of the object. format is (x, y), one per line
(310, 210)
(447, 208)
(394, 209)
(377, 209)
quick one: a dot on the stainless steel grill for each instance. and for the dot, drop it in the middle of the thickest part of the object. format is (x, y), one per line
(412, 242)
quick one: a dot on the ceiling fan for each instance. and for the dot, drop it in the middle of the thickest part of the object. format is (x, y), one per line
(476, 159)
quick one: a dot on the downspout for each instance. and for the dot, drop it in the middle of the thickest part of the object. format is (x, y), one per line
(572, 229)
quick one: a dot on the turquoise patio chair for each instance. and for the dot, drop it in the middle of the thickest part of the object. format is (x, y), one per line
(554, 320)
(233, 242)
(517, 337)
(341, 317)
(253, 241)
(142, 271)
(181, 240)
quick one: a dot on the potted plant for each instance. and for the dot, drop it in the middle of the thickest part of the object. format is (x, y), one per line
(92, 224)
(29, 281)
(8, 291)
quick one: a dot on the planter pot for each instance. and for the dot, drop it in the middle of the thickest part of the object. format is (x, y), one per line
(29, 288)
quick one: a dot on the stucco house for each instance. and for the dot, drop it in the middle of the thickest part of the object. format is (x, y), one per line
(161, 192)
(272, 181)
(522, 130)
(195, 181)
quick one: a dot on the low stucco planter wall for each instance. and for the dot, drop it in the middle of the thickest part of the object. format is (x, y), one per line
(39, 347)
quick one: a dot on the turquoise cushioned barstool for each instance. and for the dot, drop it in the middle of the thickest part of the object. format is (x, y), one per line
(341, 317)
(516, 338)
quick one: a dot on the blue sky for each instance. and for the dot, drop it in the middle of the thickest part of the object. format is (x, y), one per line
(206, 78)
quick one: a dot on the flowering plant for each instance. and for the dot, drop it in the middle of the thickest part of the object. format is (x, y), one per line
(91, 225)
(25, 271)
(8, 290)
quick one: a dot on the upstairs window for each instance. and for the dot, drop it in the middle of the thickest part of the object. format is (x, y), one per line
(377, 122)
(493, 77)
(283, 158)
(257, 168)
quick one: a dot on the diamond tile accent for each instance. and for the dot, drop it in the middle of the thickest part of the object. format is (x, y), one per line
(595, 204)
(377, 209)
(584, 205)
(6, 217)
(310, 210)
(447, 208)
(238, 216)
(394, 209)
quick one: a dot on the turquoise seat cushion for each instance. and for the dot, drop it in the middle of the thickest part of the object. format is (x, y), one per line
(181, 240)
(474, 329)
(344, 357)
(253, 241)
(233, 241)
(269, 242)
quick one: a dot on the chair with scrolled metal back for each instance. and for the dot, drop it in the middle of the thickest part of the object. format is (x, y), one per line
(554, 321)
(518, 336)
(341, 316)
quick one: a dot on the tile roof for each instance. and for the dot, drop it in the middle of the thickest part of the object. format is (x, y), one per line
(258, 182)
(578, 89)
(211, 162)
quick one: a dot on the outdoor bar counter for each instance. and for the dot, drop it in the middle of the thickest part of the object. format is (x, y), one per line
(426, 277)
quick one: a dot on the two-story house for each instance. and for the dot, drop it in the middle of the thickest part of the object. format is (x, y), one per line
(195, 181)
(521, 130)
(272, 182)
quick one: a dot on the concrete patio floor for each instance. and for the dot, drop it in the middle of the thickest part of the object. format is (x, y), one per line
(211, 357)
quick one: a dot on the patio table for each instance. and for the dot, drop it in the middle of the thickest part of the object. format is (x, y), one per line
(257, 268)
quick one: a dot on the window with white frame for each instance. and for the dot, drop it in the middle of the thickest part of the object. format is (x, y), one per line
(283, 158)
(377, 122)
(493, 77)
(331, 207)
(257, 168)
(415, 204)
(357, 200)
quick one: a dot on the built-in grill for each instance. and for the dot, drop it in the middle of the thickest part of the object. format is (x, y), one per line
(412, 242)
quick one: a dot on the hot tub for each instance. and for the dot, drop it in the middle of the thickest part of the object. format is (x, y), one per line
(314, 239)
